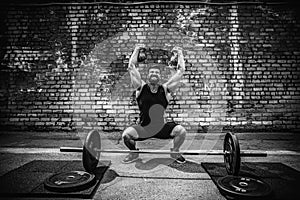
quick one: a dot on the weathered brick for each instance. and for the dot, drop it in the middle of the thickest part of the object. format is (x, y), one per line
(252, 58)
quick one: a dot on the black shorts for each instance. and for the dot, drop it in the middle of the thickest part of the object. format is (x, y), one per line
(164, 133)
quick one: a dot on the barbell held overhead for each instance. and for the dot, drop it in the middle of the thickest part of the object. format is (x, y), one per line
(231, 151)
(188, 152)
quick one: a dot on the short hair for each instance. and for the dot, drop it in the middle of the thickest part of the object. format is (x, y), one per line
(154, 67)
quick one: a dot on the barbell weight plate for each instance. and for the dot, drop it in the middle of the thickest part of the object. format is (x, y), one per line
(71, 181)
(243, 187)
(232, 159)
(90, 156)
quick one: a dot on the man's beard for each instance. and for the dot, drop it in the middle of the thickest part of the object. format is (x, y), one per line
(154, 81)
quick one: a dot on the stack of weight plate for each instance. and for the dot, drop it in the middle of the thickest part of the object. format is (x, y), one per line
(71, 181)
(238, 187)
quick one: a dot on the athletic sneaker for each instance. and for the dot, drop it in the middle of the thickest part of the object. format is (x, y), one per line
(178, 158)
(131, 157)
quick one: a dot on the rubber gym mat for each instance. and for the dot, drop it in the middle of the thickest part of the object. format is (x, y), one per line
(28, 179)
(284, 180)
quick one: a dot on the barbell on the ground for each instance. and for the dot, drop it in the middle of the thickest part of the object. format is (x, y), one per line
(231, 151)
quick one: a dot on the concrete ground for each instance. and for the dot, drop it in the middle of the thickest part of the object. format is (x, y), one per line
(152, 176)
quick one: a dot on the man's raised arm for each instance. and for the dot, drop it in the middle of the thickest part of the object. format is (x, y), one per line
(135, 76)
(174, 81)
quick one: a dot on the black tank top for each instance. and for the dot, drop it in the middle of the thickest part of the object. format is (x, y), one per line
(152, 106)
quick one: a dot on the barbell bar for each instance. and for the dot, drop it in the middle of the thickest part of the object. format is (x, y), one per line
(191, 152)
(231, 151)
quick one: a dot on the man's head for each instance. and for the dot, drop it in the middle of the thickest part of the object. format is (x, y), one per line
(154, 75)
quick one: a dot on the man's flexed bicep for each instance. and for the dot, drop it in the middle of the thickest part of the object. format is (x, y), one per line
(135, 75)
(173, 83)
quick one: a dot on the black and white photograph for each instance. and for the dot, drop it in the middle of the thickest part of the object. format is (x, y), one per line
(150, 100)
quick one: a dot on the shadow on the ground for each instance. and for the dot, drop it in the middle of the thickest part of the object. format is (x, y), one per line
(188, 166)
(109, 176)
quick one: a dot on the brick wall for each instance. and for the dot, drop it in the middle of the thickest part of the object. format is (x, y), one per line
(63, 66)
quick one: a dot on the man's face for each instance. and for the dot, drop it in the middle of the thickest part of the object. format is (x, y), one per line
(154, 75)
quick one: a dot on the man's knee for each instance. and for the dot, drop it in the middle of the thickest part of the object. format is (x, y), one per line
(129, 133)
(129, 138)
(179, 131)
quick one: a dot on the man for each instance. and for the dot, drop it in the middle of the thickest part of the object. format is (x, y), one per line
(153, 99)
